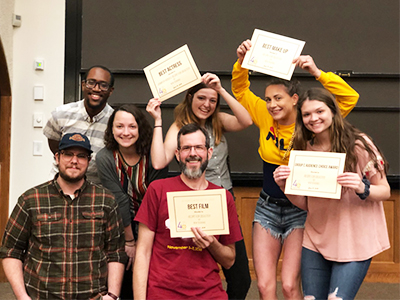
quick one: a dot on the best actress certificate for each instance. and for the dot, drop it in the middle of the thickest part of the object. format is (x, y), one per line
(205, 209)
(272, 54)
(172, 74)
(315, 174)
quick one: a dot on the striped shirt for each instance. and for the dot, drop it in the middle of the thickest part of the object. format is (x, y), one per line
(65, 244)
(73, 117)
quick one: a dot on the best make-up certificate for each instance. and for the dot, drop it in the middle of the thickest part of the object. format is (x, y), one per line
(272, 54)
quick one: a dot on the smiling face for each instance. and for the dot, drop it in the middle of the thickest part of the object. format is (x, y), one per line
(95, 99)
(317, 117)
(125, 129)
(72, 163)
(193, 154)
(204, 103)
(280, 105)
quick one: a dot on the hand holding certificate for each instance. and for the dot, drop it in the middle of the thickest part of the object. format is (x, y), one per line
(315, 174)
(172, 74)
(272, 54)
(206, 209)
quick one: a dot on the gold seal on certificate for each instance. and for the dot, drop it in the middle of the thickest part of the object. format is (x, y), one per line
(315, 174)
(272, 54)
(206, 209)
(172, 74)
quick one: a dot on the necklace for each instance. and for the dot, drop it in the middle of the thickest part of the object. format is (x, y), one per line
(285, 155)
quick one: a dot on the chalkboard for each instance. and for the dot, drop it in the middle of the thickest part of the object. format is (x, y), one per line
(360, 36)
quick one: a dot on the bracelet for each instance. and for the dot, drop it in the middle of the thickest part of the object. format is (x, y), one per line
(115, 297)
(130, 245)
(155, 126)
(367, 184)
(130, 240)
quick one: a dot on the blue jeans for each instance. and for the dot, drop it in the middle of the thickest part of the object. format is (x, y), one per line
(321, 277)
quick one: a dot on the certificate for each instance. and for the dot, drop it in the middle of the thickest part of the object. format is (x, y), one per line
(172, 74)
(206, 209)
(272, 54)
(315, 174)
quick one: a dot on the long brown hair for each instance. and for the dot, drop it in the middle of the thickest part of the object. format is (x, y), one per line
(344, 136)
(184, 114)
(143, 143)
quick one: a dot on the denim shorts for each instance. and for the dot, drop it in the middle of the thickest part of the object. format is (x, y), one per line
(279, 221)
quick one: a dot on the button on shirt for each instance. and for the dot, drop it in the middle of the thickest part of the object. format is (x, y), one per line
(65, 244)
(73, 117)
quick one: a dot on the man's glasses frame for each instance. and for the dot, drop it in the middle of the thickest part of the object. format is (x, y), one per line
(197, 148)
(68, 156)
(91, 84)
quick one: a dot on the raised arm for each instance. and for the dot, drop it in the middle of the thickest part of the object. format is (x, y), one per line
(142, 262)
(345, 95)
(223, 254)
(161, 152)
(241, 118)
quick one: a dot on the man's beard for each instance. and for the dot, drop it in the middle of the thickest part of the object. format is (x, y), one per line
(191, 173)
(67, 178)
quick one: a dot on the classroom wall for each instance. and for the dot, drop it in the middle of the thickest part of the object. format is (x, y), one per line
(41, 35)
(360, 36)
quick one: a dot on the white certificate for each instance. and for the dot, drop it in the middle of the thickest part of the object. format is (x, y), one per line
(272, 54)
(315, 174)
(206, 209)
(172, 74)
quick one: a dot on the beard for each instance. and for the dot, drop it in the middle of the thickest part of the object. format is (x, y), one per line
(193, 173)
(70, 179)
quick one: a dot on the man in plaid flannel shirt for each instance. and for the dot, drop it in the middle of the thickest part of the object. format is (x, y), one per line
(65, 238)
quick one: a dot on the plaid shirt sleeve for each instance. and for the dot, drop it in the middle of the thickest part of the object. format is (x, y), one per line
(114, 244)
(17, 233)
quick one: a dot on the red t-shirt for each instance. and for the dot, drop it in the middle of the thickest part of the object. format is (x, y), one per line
(178, 268)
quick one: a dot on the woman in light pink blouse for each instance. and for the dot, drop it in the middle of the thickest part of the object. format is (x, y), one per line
(340, 236)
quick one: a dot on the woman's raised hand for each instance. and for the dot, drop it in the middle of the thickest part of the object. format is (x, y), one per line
(154, 109)
(307, 63)
(242, 50)
(212, 81)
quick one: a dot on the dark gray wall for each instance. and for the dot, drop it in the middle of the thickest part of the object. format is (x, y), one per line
(357, 35)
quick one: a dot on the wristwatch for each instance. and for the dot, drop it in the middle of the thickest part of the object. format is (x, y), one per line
(115, 297)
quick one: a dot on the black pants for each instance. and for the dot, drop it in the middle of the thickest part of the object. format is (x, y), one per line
(126, 288)
(238, 276)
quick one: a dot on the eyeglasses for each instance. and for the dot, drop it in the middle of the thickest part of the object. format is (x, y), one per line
(68, 156)
(91, 84)
(197, 148)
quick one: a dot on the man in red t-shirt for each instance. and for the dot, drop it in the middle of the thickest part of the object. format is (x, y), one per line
(182, 268)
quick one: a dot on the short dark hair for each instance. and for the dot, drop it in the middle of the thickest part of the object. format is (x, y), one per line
(143, 143)
(292, 87)
(191, 128)
(100, 67)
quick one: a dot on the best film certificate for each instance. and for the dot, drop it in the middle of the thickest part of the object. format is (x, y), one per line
(205, 209)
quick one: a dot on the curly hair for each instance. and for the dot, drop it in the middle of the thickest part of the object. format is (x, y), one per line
(344, 136)
(184, 114)
(143, 143)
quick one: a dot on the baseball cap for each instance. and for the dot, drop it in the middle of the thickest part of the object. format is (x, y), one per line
(74, 140)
